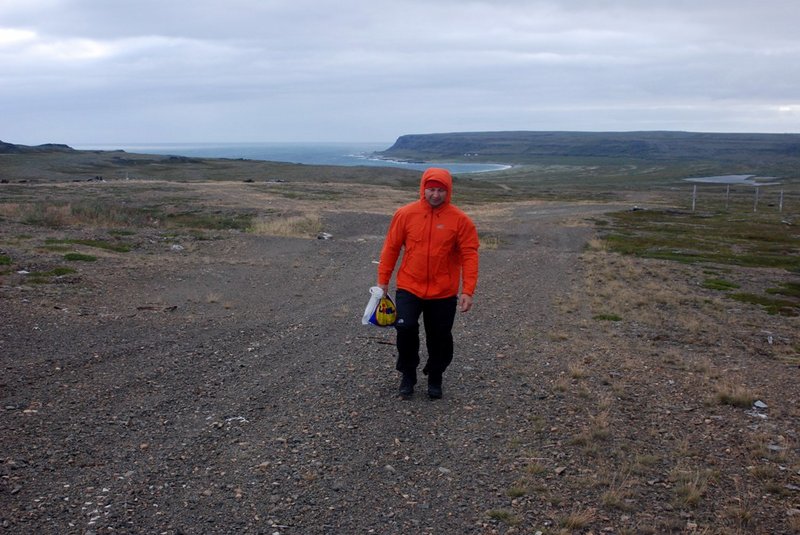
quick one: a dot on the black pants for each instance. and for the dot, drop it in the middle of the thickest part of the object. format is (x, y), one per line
(438, 316)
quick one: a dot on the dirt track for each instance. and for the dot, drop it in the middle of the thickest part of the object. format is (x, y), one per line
(229, 387)
(232, 388)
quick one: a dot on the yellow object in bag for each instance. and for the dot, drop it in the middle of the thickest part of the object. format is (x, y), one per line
(380, 310)
(385, 313)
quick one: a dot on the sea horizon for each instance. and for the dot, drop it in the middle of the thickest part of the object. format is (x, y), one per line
(309, 153)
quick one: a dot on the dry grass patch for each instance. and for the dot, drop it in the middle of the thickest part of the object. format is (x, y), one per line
(605, 402)
(764, 472)
(65, 214)
(577, 370)
(536, 468)
(734, 394)
(690, 486)
(597, 244)
(301, 226)
(645, 461)
(649, 292)
(793, 523)
(601, 427)
(517, 491)
(578, 519)
(504, 516)
(567, 305)
(489, 242)
(562, 384)
(616, 498)
(558, 336)
(742, 508)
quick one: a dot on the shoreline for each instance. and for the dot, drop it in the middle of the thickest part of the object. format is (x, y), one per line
(334, 154)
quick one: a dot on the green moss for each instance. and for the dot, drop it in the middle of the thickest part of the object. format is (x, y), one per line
(79, 257)
(501, 515)
(608, 317)
(791, 289)
(117, 247)
(5, 260)
(57, 248)
(121, 232)
(60, 271)
(753, 240)
(783, 307)
(719, 284)
(46, 277)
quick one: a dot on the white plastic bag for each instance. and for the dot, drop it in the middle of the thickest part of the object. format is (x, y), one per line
(380, 309)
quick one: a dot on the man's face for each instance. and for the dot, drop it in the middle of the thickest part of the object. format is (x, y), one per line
(435, 196)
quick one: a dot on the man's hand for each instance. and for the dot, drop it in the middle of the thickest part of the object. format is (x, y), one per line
(384, 287)
(464, 302)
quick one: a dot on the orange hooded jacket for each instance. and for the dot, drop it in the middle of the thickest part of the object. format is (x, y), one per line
(440, 246)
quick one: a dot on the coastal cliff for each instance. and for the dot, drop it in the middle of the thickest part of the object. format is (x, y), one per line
(11, 148)
(522, 147)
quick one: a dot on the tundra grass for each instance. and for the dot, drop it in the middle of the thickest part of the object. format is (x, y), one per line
(209, 221)
(759, 241)
(784, 307)
(719, 284)
(45, 277)
(725, 237)
(97, 244)
(790, 289)
(79, 257)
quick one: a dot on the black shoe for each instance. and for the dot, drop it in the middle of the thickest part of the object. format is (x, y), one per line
(407, 385)
(435, 389)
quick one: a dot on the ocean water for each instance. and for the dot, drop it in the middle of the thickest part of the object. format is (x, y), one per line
(347, 154)
(745, 180)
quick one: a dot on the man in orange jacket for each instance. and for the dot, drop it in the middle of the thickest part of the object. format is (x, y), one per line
(440, 256)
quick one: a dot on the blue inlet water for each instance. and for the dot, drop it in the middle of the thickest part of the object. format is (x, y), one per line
(348, 154)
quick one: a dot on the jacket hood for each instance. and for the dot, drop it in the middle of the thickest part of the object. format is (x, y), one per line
(439, 175)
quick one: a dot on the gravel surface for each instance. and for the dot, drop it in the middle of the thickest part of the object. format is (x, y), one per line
(228, 386)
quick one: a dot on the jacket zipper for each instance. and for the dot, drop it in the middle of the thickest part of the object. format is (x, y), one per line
(430, 239)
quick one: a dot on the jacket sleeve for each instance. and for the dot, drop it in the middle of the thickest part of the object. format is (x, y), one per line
(468, 245)
(395, 238)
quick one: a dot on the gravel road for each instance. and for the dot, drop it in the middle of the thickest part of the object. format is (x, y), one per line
(228, 386)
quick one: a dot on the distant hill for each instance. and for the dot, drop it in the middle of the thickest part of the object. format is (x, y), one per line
(11, 148)
(520, 147)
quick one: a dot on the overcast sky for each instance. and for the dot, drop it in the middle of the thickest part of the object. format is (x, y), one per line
(144, 71)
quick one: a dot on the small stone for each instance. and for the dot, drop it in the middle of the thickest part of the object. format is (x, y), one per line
(760, 404)
(444, 470)
(560, 470)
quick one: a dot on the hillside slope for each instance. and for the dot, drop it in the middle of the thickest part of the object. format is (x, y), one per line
(533, 147)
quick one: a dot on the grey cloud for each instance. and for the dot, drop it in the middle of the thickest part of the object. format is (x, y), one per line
(324, 70)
